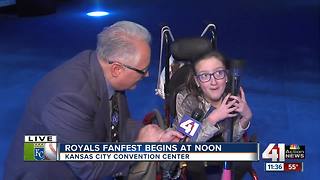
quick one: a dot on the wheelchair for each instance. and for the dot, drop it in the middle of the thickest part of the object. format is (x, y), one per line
(171, 80)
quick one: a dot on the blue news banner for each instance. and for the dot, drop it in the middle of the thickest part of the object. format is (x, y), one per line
(158, 152)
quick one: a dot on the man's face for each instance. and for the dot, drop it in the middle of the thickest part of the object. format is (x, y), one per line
(132, 73)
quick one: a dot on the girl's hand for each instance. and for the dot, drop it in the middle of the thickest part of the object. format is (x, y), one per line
(225, 110)
(242, 108)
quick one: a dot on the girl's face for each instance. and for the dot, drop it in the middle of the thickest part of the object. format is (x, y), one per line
(211, 77)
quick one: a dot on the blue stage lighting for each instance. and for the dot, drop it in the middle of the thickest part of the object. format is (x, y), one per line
(98, 13)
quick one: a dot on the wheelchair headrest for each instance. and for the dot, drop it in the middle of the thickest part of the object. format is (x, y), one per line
(188, 49)
(176, 84)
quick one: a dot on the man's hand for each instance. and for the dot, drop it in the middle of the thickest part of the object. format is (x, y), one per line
(170, 136)
(153, 133)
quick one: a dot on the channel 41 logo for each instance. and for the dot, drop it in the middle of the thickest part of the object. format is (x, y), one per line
(189, 127)
(40, 148)
(281, 152)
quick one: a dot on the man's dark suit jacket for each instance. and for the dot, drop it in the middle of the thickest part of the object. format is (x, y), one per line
(71, 102)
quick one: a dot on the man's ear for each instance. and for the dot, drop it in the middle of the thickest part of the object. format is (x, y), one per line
(116, 69)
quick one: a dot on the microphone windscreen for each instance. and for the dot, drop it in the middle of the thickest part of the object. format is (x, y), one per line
(235, 67)
(197, 114)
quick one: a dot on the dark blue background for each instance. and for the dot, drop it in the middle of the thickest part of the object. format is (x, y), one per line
(278, 39)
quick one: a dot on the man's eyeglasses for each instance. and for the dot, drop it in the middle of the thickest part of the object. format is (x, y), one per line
(205, 77)
(143, 72)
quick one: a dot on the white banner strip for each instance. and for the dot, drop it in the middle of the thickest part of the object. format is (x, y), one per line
(158, 157)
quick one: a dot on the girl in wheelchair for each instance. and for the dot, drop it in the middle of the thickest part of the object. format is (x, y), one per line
(206, 89)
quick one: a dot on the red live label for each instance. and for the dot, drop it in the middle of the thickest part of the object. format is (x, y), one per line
(293, 167)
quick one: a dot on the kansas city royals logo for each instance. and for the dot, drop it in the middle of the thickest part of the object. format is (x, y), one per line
(39, 152)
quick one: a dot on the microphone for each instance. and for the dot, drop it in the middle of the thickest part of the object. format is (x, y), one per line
(235, 70)
(191, 126)
(197, 114)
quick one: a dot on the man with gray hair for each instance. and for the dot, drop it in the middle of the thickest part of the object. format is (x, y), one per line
(83, 100)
